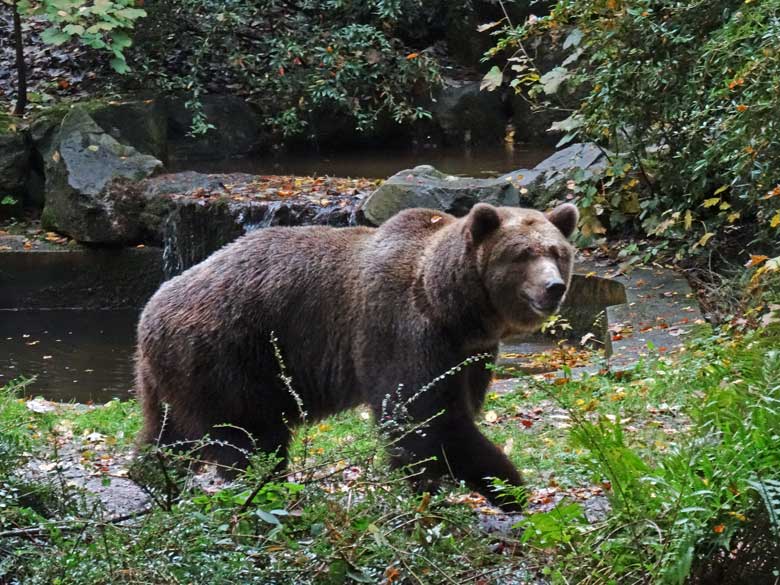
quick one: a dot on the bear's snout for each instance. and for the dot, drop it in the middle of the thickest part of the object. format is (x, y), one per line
(554, 290)
(549, 300)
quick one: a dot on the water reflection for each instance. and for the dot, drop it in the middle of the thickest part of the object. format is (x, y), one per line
(476, 162)
(75, 354)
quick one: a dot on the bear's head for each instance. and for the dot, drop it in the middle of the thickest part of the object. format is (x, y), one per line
(525, 259)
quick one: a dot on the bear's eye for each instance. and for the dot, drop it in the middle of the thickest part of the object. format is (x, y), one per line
(557, 254)
(523, 256)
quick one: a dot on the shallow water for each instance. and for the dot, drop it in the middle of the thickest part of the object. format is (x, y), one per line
(476, 162)
(79, 355)
(87, 355)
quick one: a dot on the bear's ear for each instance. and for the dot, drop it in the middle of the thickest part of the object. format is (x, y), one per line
(565, 218)
(483, 220)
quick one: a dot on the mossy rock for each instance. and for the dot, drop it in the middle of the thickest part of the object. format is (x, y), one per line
(89, 182)
(464, 114)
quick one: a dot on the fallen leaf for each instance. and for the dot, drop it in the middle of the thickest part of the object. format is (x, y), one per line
(755, 260)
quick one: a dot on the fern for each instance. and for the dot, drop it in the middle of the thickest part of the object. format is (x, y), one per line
(769, 490)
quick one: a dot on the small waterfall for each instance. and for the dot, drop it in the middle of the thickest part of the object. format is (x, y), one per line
(193, 231)
(255, 216)
(197, 228)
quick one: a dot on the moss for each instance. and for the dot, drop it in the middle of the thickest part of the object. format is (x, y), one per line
(6, 122)
(47, 219)
(56, 112)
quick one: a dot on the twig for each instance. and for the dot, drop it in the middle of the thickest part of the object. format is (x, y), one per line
(75, 525)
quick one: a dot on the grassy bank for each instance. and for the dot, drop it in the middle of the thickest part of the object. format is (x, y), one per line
(644, 477)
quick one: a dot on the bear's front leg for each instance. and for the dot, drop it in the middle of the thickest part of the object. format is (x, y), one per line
(470, 456)
(462, 451)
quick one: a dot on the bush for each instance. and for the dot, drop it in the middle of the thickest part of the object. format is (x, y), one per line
(685, 94)
(301, 64)
(709, 498)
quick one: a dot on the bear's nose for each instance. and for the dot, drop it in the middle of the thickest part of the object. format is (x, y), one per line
(555, 289)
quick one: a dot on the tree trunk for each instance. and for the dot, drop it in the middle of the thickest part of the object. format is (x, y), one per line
(21, 66)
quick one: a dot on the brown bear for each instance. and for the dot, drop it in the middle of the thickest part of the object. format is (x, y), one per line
(362, 315)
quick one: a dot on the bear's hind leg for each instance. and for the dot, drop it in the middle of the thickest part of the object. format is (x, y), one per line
(158, 424)
(231, 447)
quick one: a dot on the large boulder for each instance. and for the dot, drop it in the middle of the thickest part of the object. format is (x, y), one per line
(424, 186)
(464, 114)
(14, 170)
(549, 180)
(87, 177)
(140, 123)
(237, 129)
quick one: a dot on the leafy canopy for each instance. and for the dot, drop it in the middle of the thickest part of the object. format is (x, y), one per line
(99, 24)
(685, 95)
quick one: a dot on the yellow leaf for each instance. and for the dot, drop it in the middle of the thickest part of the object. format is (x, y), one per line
(688, 220)
(775, 221)
(733, 216)
(720, 190)
(724, 206)
(711, 202)
(704, 239)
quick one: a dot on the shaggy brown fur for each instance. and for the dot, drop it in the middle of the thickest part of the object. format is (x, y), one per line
(356, 311)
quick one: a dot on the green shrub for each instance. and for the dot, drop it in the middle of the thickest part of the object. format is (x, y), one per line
(305, 67)
(707, 492)
(685, 94)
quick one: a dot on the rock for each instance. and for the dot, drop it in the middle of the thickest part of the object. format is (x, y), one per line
(548, 180)
(141, 124)
(237, 129)
(14, 169)
(88, 182)
(193, 214)
(43, 131)
(424, 186)
(582, 155)
(463, 114)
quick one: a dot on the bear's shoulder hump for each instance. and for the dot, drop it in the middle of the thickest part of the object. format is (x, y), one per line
(418, 220)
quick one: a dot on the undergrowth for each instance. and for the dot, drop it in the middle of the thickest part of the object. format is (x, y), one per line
(684, 449)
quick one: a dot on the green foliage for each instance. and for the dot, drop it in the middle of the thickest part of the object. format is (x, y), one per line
(14, 418)
(302, 66)
(102, 24)
(316, 528)
(684, 94)
(676, 504)
(118, 419)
